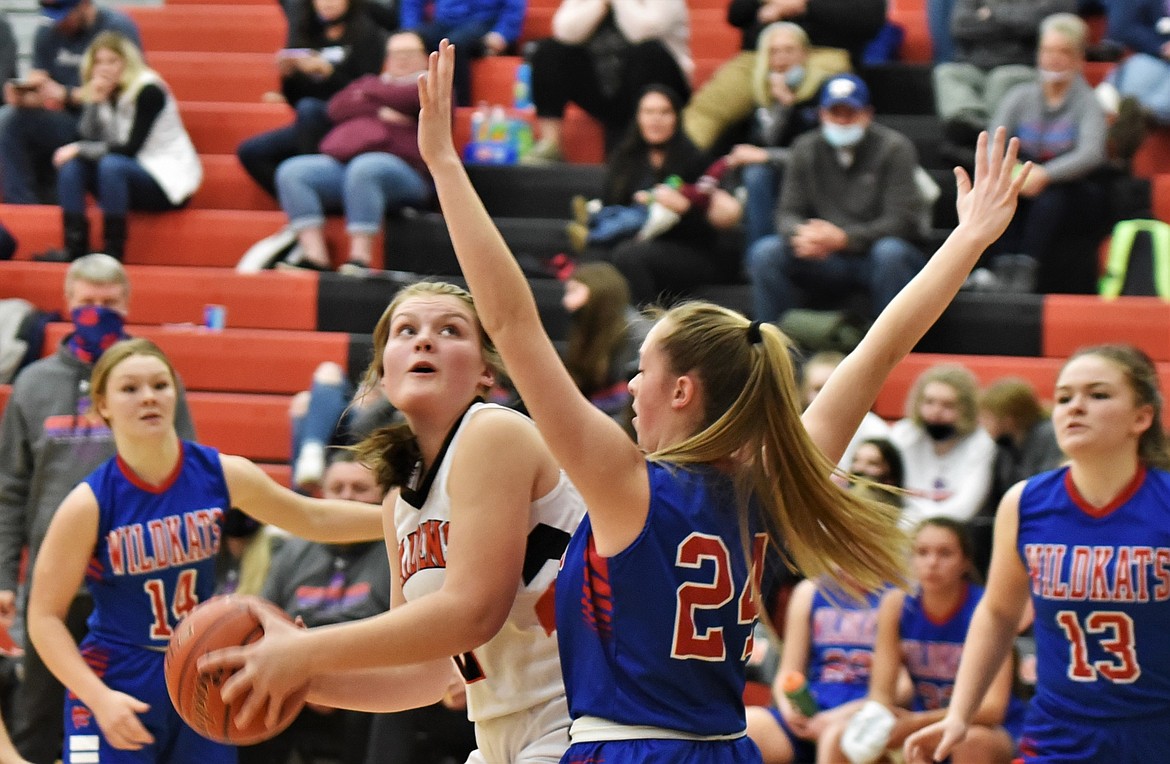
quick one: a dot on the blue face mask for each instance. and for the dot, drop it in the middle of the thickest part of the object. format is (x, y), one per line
(793, 77)
(842, 136)
(95, 328)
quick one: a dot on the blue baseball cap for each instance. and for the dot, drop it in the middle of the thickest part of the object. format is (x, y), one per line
(58, 9)
(847, 89)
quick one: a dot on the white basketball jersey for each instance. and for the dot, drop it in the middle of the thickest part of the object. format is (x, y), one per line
(519, 667)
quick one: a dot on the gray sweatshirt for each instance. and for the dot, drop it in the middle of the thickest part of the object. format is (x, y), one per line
(1068, 140)
(49, 442)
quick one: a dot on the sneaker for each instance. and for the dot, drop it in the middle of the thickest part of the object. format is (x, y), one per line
(543, 152)
(1016, 273)
(355, 269)
(1124, 137)
(578, 236)
(981, 280)
(266, 252)
(310, 465)
(659, 221)
(867, 734)
(580, 207)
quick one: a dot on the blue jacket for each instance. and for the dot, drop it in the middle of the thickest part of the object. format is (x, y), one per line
(505, 16)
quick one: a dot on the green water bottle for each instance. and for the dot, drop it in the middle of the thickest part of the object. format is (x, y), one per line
(795, 687)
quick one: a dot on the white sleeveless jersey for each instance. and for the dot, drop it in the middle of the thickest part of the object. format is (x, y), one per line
(519, 667)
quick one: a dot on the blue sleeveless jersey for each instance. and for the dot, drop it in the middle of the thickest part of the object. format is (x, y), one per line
(156, 546)
(841, 653)
(659, 634)
(1100, 581)
(931, 649)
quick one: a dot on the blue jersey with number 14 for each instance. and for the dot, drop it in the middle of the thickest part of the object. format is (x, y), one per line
(659, 633)
(156, 546)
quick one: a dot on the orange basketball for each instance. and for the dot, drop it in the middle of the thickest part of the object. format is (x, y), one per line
(219, 622)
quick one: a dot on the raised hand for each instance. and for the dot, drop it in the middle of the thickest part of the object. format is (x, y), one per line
(986, 206)
(434, 95)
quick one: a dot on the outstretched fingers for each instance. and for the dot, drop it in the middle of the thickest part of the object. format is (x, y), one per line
(434, 96)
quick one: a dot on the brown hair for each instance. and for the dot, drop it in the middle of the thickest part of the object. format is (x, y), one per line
(957, 377)
(1013, 397)
(962, 536)
(392, 451)
(598, 328)
(1142, 377)
(114, 355)
(752, 418)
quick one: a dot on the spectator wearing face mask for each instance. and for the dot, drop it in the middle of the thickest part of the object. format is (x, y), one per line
(947, 456)
(848, 209)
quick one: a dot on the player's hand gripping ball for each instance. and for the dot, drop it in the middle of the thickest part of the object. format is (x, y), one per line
(219, 622)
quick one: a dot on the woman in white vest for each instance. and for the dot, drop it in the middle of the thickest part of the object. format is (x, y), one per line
(134, 152)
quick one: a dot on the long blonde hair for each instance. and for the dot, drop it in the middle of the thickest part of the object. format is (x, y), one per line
(752, 418)
(392, 451)
(122, 47)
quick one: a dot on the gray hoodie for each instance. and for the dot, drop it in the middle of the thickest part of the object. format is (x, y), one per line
(49, 442)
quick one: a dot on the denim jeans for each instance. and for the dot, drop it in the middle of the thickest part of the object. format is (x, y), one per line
(777, 273)
(366, 188)
(762, 182)
(938, 22)
(262, 154)
(616, 222)
(28, 138)
(328, 405)
(119, 183)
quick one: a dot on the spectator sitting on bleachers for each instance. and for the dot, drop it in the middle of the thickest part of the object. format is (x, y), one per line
(602, 56)
(369, 162)
(50, 439)
(814, 373)
(837, 31)
(133, 152)
(848, 207)
(687, 255)
(1012, 415)
(946, 454)
(830, 643)
(1061, 129)
(475, 27)
(42, 115)
(605, 336)
(241, 565)
(8, 49)
(331, 413)
(995, 48)
(330, 45)
(785, 85)
(879, 461)
(923, 632)
(1143, 26)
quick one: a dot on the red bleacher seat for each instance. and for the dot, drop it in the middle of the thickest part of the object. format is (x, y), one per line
(254, 426)
(227, 187)
(5, 394)
(237, 360)
(1075, 321)
(226, 28)
(1153, 158)
(195, 76)
(219, 127)
(161, 294)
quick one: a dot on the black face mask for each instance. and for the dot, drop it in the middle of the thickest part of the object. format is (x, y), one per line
(939, 431)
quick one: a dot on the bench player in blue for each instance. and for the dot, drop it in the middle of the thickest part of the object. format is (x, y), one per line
(655, 601)
(143, 531)
(1090, 544)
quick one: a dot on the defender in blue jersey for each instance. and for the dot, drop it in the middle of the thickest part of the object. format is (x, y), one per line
(830, 643)
(1090, 545)
(657, 596)
(143, 531)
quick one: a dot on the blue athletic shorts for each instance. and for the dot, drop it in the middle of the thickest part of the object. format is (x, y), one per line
(739, 751)
(137, 672)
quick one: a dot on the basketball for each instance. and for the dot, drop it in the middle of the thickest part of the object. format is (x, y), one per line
(219, 622)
